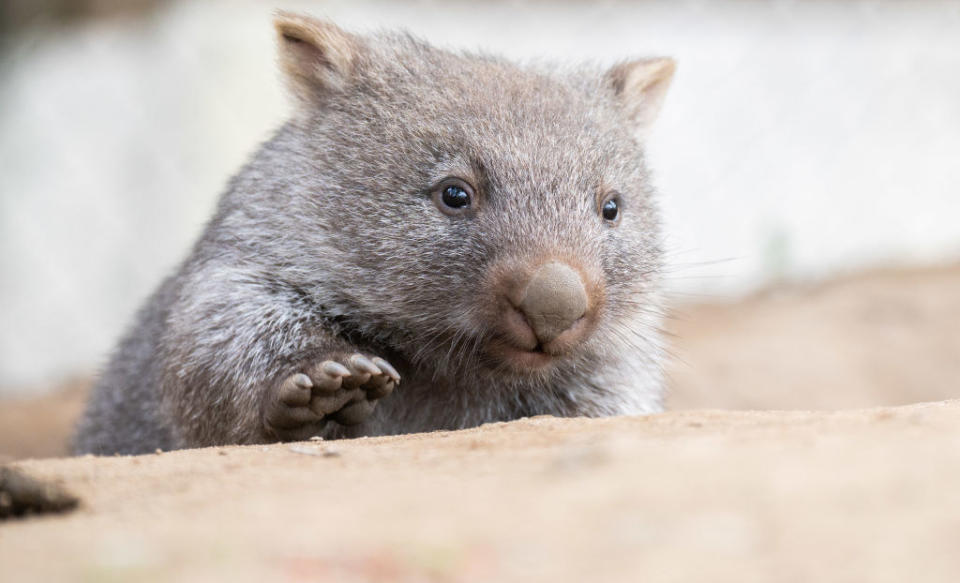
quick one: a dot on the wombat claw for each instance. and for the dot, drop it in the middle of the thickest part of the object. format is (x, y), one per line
(343, 390)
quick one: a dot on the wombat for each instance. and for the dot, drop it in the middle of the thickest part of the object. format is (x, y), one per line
(434, 240)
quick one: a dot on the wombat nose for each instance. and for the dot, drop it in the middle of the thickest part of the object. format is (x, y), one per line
(553, 300)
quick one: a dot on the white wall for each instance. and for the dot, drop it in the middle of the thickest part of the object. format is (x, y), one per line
(799, 139)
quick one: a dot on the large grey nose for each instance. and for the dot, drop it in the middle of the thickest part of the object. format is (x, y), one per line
(553, 300)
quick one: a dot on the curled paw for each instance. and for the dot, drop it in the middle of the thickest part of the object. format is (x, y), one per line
(341, 389)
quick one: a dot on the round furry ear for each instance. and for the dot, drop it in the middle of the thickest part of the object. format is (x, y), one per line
(317, 57)
(640, 86)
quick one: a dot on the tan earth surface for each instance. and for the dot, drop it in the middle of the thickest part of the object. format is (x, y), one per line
(696, 495)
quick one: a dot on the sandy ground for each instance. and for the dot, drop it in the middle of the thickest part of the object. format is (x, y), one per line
(863, 494)
(870, 495)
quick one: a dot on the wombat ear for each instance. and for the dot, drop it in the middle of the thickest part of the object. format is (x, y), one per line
(317, 57)
(641, 86)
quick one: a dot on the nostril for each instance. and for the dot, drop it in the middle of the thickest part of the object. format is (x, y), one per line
(520, 328)
(554, 299)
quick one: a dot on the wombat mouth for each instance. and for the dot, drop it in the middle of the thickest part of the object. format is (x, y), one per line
(519, 359)
(529, 357)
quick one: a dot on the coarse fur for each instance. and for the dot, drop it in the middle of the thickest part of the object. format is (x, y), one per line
(327, 242)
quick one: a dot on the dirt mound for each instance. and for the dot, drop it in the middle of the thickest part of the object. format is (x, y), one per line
(699, 496)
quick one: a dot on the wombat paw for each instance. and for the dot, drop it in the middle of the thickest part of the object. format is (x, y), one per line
(344, 390)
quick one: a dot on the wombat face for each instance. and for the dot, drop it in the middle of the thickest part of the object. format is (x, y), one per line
(470, 212)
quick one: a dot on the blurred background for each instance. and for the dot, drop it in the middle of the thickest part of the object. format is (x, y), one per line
(808, 160)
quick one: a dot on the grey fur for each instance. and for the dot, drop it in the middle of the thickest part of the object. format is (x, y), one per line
(327, 243)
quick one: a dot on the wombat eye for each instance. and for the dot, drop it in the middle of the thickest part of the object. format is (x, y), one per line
(453, 197)
(610, 209)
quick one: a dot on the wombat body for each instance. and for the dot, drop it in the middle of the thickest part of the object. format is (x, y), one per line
(433, 241)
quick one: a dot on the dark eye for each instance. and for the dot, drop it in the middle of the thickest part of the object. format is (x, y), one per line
(453, 197)
(611, 210)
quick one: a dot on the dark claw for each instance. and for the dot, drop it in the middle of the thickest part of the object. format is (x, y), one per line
(302, 381)
(387, 368)
(363, 364)
(335, 369)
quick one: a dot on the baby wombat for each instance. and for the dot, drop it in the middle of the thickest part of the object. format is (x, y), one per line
(435, 240)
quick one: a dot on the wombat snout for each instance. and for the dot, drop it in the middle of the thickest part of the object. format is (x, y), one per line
(553, 300)
(547, 309)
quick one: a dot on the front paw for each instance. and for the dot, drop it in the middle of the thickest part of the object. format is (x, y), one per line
(342, 389)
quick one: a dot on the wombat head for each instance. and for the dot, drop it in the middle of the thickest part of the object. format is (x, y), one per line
(466, 211)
